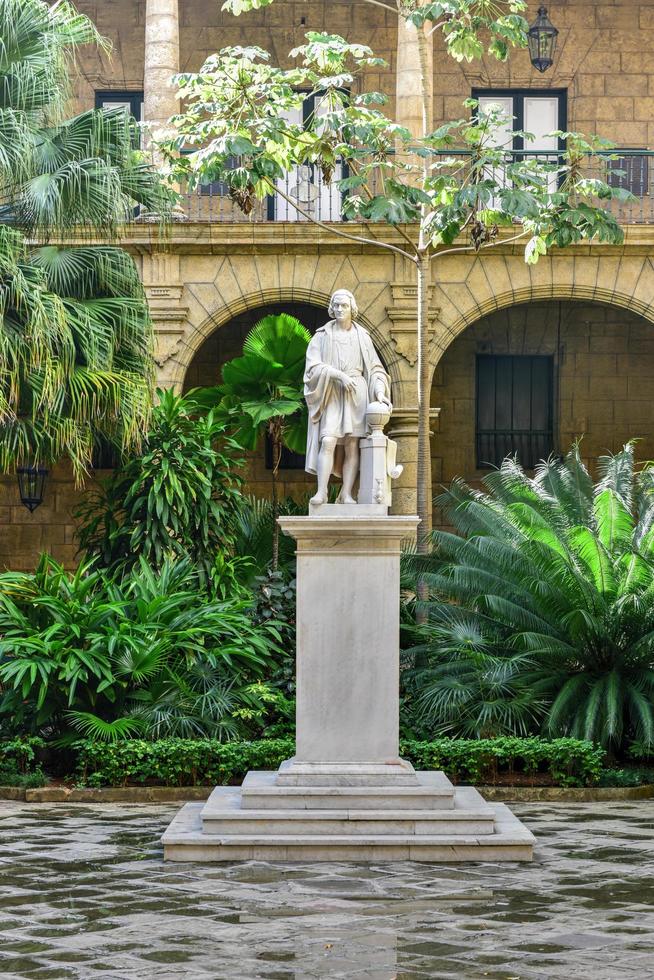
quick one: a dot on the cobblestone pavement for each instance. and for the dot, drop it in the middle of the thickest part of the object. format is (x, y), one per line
(84, 894)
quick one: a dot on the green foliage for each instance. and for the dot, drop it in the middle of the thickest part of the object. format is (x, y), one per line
(152, 654)
(467, 193)
(540, 607)
(253, 540)
(20, 753)
(177, 761)
(569, 761)
(186, 762)
(75, 332)
(180, 498)
(262, 391)
(626, 777)
(18, 762)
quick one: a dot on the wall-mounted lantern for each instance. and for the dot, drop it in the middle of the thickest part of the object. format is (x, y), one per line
(31, 484)
(542, 37)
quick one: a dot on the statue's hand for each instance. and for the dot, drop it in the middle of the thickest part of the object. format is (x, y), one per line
(348, 383)
(382, 397)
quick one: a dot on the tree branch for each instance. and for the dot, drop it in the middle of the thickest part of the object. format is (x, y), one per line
(337, 231)
(467, 248)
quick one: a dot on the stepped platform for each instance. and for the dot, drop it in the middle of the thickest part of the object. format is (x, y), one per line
(405, 816)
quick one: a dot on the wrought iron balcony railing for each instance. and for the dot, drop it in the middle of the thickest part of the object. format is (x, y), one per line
(304, 192)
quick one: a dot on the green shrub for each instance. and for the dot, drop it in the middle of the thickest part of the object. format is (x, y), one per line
(178, 499)
(20, 753)
(177, 761)
(151, 655)
(626, 777)
(18, 762)
(568, 761)
(186, 762)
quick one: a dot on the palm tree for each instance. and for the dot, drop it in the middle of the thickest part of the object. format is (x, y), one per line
(542, 606)
(262, 392)
(75, 333)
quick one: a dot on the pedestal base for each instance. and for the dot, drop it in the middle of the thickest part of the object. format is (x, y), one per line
(418, 817)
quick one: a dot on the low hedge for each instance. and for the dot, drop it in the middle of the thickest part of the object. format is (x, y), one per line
(569, 761)
(197, 762)
(177, 761)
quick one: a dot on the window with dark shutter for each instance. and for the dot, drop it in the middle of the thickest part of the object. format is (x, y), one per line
(514, 409)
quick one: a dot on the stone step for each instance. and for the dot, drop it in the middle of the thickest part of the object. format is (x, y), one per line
(185, 841)
(296, 773)
(223, 815)
(432, 790)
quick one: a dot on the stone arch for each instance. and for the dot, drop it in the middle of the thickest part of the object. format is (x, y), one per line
(503, 282)
(293, 294)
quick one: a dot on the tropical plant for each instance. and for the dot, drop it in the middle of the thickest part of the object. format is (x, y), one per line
(262, 392)
(244, 117)
(180, 498)
(75, 333)
(254, 529)
(541, 605)
(152, 655)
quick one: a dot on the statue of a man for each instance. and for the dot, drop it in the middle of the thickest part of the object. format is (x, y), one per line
(342, 375)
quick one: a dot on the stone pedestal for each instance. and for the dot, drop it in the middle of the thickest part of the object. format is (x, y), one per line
(347, 795)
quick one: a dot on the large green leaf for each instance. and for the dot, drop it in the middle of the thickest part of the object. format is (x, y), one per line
(280, 339)
(251, 373)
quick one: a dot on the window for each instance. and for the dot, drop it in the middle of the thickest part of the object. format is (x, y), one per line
(536, 111)
(514, 409)
(305, 184)
(288, 461)
(131, 102)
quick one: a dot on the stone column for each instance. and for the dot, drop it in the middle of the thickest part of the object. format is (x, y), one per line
(403, 429)
(408, 103)
(160, 100)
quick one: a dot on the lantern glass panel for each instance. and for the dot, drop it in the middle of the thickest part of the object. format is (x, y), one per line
(31, 484)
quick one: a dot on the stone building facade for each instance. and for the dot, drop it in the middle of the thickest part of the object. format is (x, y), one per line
(578, 325)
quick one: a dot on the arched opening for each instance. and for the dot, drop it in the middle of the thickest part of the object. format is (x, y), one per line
(206, 369)
(533, 377)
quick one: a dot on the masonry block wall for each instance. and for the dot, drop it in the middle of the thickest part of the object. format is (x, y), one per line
(603, 59)
(603, 367)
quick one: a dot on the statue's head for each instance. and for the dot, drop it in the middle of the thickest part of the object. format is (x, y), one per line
(343, 294)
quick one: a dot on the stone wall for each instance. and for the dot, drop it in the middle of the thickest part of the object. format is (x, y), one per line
(604, 364)
(603, 57)
(24, 536)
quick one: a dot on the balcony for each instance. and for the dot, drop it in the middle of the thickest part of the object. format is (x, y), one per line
(630, 169)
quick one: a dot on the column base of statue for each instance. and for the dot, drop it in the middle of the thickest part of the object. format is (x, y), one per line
(347, 795)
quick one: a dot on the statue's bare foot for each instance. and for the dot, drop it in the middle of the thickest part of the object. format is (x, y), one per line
(318, 498)
(346, 499)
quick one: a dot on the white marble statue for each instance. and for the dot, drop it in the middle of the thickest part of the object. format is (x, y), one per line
(343, 376)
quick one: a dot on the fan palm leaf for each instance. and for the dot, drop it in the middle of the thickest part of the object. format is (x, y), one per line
(75, 332)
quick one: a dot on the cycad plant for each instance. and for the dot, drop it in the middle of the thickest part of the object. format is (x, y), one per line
(542, 605)
(75, 334)
(262, 392)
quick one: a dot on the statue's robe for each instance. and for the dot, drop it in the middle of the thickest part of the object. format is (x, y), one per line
(321, 388)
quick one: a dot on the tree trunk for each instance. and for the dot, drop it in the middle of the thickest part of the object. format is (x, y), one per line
(276, 459)
(422, 324)
(424, 453)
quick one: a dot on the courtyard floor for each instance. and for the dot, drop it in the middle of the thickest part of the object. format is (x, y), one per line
(84, 894)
